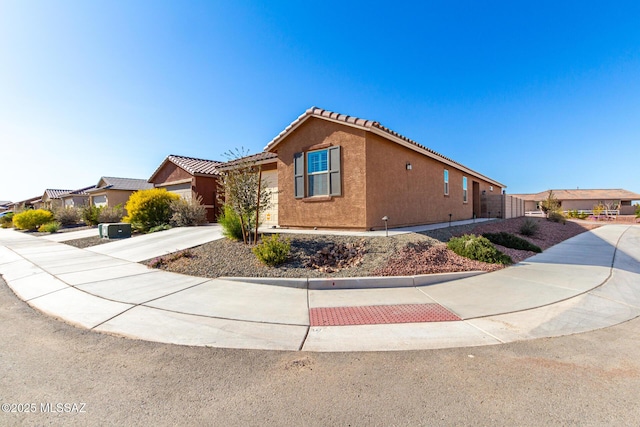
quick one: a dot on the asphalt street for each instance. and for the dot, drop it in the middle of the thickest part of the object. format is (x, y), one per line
(66, 375)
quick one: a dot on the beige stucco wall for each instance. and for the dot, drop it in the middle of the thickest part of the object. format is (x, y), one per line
(345, 211)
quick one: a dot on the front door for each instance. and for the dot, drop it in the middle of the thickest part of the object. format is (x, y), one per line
(476, 199)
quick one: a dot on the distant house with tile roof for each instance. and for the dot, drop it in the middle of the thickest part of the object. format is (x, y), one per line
(191, 178)
(268, 166)
(76, 198)
(5, 205)
(580, 199)
(25, 204)
(50, 199)
(339, 171)
(111, 191)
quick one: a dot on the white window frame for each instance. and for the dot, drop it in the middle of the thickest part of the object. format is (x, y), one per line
(446, 182)
(324, 172)
(465, 197)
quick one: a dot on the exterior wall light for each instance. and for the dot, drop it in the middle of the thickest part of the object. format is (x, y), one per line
(409, 167)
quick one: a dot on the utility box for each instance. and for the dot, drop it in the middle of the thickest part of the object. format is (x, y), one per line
(100, 233)
(119, 230)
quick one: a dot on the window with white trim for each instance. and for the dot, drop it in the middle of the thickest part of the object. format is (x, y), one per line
(321, 176)
(446, 182)
(464, 189)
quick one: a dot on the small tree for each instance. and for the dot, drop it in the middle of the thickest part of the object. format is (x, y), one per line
(242, 189)
(149, 208)
(550, 204)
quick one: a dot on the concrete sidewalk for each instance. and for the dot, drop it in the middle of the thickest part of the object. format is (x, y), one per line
(588, 282)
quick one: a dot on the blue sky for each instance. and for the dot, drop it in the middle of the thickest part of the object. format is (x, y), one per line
(536, 95)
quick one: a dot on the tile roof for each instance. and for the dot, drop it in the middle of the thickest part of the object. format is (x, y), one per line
(192, 165)
(55, 194)
(113, 183)
(371, 126)
(258, 158)
(579, 194)
(80, 191)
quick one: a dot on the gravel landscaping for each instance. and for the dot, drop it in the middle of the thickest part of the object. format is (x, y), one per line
(406, 254)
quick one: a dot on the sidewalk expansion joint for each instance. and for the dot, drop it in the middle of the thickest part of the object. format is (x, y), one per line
(380, 314)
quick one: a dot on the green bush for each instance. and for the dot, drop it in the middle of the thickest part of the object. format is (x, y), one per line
(90, 214)
(160, 227)
(272, 251)
(637, 211)
(511, 241)
(50, 227)
(32, 219)
(7, 220)
(477, 248)
(188, 213)
(230, 222)
(107, 214)
(557, 217)
(149, 208)
(67, 215)
(529, 227)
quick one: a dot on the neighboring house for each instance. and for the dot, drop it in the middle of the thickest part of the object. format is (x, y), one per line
(617, 199)
(25, 204)
(190, 177)
(112, 191)
(338, 171)
(76, 198)
(50, 199)
(5, 205)
(267, 163)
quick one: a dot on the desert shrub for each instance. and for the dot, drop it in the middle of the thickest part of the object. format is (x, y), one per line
(50, 227)
(557, 217)
(637, 211)
(511, 241)
(477, 248)
(160, 227)
(163, 261)
(529, 227)
(110, 215)
(32, 219)
(230, 222)
(67, 215)
(187, 213)
(6, 221)
(90, 214)
(272, 251)
(598, 209)
(149, 208)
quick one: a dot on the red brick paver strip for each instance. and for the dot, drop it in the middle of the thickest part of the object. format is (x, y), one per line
(380, 314)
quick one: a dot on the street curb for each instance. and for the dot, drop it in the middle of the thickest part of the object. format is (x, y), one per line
(357, 282)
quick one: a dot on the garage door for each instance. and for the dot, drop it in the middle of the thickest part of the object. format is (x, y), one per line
(270, 181)
(183, 190)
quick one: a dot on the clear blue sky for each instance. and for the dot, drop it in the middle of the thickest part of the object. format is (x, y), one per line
(536, 95)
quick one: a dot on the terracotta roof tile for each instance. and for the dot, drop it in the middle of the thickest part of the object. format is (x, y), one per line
(55, 194)
(258, 158)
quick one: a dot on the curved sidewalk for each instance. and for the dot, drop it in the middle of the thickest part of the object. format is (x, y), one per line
(588, 282)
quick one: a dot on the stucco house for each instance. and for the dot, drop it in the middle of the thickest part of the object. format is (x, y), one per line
(339, 171)
(50, 199)
(5, 205)
(25, 204)
(579, 199)
(267, 164)
(190, 177)
(111, 191)
(76, 198)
